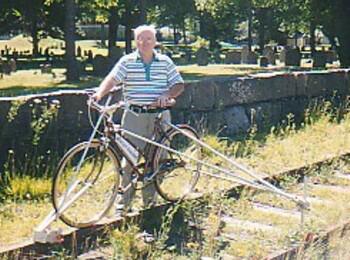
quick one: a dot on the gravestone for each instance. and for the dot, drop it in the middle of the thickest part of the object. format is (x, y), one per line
(290, 56)
(320, 59)
(12, 65)
(202, 56)
(47, 53)
(6, 68)
(45, 68)
(217, 57)
(248, 57)
(263, 61)
(331, 56)
(79, 51)
(233, 57)
(188, 55)
(269, 53)
(90, 56)
(1, 68)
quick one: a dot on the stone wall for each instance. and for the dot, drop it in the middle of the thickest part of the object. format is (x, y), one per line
(212, 104)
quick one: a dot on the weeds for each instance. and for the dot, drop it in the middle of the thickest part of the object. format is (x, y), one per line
(27, 188)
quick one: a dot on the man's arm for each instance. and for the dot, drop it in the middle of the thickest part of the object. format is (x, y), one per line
(175, 90)
(168, 97)
(106, 85)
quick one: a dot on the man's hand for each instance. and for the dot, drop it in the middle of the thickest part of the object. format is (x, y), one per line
(164, 101)
(96, 96)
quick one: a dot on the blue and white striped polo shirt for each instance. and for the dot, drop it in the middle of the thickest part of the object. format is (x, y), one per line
(144, 83)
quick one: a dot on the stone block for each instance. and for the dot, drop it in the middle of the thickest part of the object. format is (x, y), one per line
(249, 58)
(231, 92)
(236, 120)
(203, 95)
(202, 56)
(301, 83)
(318, 84)
(265, 114)
(319, 59)
(263, 61)
(184, 100)
(269, 53)
(233, 57)
(290, 56)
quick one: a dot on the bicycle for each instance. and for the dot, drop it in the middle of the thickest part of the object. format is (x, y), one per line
(88, 177)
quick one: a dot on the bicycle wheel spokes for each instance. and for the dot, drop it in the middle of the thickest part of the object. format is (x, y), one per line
(177, 173)
(82, 195)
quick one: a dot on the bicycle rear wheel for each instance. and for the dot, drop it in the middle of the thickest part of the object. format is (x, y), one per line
(84, 189)
(177, 174)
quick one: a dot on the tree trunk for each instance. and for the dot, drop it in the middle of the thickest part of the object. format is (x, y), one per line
(202, 25)
(312, 38)
(34, 34)
(343, 48)
(112, 30)
(261, 36)
(250, 23)
(143, 12)
(69, 37)
(174, 35)
(128, 38)
(128, 26)
(342, 21)
(103, 35)
(261, 16)
(184, 33)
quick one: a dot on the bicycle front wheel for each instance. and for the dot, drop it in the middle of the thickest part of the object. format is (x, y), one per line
(177, 174)
(86, 183)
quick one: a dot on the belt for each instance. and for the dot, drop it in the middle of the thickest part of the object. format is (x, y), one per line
(141, 109)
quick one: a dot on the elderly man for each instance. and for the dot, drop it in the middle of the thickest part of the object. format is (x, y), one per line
(149, 80)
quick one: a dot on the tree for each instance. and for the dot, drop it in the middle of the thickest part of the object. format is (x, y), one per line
(16, 16)
(334, 20)
(72, 73)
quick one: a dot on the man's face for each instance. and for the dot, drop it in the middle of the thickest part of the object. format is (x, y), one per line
(145, 42)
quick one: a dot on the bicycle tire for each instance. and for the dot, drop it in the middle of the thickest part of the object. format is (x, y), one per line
(177, 175)
(100, 164)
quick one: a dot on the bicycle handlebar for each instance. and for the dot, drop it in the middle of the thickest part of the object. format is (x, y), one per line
(105, 109)
(121, 104)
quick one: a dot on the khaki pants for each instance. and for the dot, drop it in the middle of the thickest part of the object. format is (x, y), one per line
(141, 124)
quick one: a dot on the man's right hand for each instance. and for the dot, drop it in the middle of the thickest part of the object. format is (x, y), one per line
(97, 96)
(163, 102)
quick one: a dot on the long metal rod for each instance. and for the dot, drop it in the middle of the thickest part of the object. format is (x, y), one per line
(239, 166)
(220, 169)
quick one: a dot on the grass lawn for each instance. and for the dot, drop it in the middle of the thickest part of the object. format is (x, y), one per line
(24, 44)
(33, 81)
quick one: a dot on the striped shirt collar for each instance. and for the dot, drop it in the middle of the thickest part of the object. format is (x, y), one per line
(137, 56)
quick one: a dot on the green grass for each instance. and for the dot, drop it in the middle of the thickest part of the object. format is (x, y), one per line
(33, 81)
(28, 188)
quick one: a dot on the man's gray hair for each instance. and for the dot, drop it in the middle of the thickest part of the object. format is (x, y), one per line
(143, 28)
